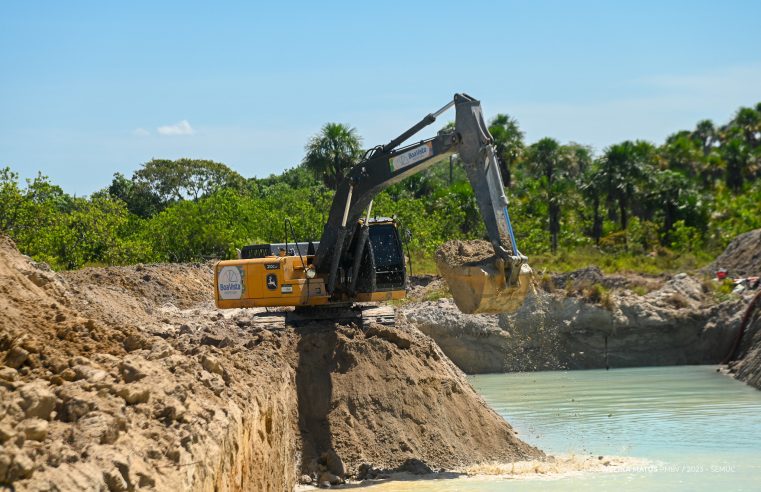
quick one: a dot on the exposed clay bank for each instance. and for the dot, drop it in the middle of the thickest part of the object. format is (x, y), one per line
(677, 323)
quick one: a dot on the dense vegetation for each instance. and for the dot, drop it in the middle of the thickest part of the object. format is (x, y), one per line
(636, 205)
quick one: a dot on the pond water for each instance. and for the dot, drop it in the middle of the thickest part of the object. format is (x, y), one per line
(684, 428)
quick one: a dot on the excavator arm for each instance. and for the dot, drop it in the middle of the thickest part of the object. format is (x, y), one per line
(389, 164)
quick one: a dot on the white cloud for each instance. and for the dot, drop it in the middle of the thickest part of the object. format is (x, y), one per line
(181, 128)
(140, 132)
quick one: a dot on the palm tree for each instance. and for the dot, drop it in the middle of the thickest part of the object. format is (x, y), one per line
(332, 152)
(623, 166)
(508, 139)
(593, 189)
(705, 134)
(667, 192)
(682, 153)
(555, 166)
(579, 159)
(748, 121)
(736, 155)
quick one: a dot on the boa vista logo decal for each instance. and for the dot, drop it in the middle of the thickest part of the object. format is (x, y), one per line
(230, 282)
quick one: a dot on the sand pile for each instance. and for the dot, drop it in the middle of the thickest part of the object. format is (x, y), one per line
(466, 253)
(126, 378)
(381, 396)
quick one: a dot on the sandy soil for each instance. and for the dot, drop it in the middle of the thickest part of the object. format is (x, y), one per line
(466, 253)
(382, 396)
(107, 385)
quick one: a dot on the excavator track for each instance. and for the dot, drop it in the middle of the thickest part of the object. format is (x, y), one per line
(360, 314)
(383, 314)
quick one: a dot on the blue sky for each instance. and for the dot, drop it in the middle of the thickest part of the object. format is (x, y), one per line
(88, 89)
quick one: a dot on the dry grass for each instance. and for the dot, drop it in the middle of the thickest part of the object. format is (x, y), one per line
(678, 301)
(598, 294)
(547, 283)
(593, 293)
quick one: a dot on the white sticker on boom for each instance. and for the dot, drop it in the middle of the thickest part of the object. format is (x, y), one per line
(286, 289)
(230, 283)
(411, 157)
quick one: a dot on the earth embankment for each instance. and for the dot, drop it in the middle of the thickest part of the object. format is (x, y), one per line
(741, 258)
(114, 385)
(382, 395)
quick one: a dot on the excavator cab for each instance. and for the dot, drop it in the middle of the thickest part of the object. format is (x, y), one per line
(383, 268)
(390, 267)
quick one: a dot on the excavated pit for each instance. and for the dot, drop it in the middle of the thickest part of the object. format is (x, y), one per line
(126, 378)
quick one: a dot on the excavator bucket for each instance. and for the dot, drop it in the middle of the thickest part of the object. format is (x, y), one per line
(482, 289)
(479, 285)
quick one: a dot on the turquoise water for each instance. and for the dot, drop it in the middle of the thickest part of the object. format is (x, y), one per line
(696, 429)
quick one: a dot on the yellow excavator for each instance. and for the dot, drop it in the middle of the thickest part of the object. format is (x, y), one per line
(359, 258)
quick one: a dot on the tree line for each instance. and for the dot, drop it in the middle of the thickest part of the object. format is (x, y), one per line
(691, 194)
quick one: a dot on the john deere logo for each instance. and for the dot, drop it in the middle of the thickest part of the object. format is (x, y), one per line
(272, 281)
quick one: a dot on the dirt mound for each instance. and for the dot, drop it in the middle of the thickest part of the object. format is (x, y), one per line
(466, 253)
(185, 285)
(37, 318)
(90, 405)
(742, 257)
(383, 396)
(126, 378)
(130, 296)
